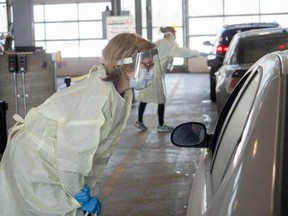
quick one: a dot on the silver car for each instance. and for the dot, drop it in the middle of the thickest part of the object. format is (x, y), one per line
(243, 169)
(245, 49)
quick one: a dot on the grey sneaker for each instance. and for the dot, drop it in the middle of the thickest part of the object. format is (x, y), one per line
(165, 128)
(141, 125)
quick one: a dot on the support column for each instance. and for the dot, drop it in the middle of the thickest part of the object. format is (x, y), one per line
(23, 27)
(149, 19)
(138, 17)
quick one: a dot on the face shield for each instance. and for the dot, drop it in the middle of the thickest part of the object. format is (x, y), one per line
(143, 63)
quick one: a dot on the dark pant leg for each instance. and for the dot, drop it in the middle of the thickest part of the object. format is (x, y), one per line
(161, 109)
(141, 110)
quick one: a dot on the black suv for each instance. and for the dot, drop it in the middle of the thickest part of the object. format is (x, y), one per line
(221, 44)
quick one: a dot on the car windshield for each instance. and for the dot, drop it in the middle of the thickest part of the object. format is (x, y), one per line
(254, 48)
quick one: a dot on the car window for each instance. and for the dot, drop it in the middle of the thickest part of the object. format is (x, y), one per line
(256, 47)
(233, 128)
(227, 36)
(232, 57)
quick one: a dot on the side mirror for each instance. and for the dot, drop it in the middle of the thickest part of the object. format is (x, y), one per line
(207, 43)
(190, 134)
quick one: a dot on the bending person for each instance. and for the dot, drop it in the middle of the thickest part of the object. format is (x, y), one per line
(60, 150)
(156, 92)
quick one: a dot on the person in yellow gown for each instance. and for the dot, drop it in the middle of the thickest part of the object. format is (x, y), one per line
(58, 152)
(156, 92)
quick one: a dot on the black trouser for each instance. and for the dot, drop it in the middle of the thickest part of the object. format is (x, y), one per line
(161, 109)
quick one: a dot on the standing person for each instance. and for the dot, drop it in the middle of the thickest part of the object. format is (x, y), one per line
(60, 150)
(155, 93)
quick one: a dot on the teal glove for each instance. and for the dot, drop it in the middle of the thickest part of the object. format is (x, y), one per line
(83, 195)
(92, 206)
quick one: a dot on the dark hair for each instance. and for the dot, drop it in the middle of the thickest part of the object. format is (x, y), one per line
(167, 29)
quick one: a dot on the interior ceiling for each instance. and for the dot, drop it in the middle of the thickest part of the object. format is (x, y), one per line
(62, 1)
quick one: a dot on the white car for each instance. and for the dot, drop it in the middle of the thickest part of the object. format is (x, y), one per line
(243, 170)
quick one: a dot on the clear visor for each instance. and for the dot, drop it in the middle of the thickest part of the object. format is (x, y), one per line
(143, 62)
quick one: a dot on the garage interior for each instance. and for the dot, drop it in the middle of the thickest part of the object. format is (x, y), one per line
(147, 174)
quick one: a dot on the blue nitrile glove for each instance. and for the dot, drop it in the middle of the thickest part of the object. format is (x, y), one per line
(92, 206)
(203, 54)
(83, 195)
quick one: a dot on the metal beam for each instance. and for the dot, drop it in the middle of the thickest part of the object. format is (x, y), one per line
(138, 17)
(149, 19)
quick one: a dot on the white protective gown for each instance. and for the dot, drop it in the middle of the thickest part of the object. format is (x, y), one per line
(62, 144)
(155, 93)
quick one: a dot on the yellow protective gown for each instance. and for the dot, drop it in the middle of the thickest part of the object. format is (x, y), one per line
(155, 93)
(62, 144)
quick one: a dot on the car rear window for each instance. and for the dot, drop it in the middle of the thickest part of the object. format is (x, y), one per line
(227, 36)
(252, 49)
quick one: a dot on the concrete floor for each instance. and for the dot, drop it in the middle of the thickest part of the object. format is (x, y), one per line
(148, 175)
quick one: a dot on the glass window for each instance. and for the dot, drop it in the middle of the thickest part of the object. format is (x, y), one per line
(232, 57)
(204, 7)
(233, 131)
(39, 31)
(241, 19)
(89, 48)
(38, 13)
(67, 48)
(129, 5)
(204, 25)
(72, 31)
(256, 47)
(90, 29)
(281, 19)
(61, 31)
(241, 7)
(3, 18)
(144, 18)
(163, 17)
(61, 12)
(92, 11)
(275, 6)
(196, 43)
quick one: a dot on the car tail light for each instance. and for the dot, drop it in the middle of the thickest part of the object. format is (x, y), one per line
(282, 46)
(222, 49)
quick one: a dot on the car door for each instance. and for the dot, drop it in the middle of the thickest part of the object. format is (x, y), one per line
(244, 170)
(249, 183)
(215, 161)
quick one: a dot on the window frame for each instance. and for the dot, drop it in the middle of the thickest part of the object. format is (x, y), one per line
(226, 115)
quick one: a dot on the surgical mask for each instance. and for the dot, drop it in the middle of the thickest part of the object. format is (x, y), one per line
(172, 35)
(144, 80)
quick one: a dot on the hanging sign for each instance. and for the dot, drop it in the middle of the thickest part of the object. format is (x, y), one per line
(119, 24)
